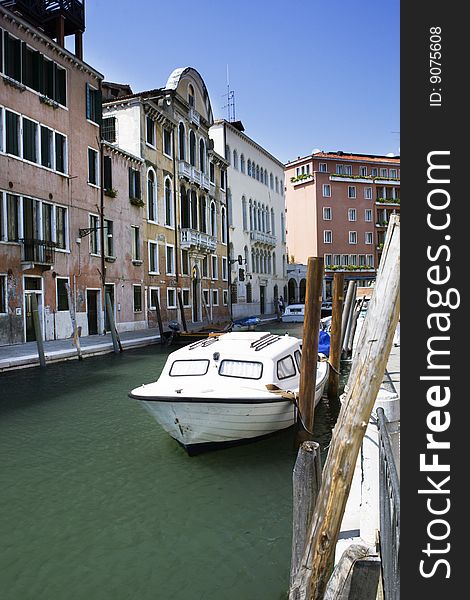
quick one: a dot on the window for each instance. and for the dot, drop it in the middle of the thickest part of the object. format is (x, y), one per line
(352, 214)
(93, 104)
(134, 184)
(108, 238)
(170, 260)
(277, 185)
(225, 297)
(61, 227)
(12, 57)
(327, 237)
(154, 297)
(182, 141)
(369, 237)
(47, 147)
(353, 237)
(213, 216)
(168, 199)
(339, 169)
(202, 156)
(30, 140)
(370, 260)
(137, 298)
(12, 130)
(3, 293)
(348, 170)
(212, 173)
(61, 153)
(242, 163)
(187, 368)
(374, 172)
(322, 167)
(109, 129)
(224, 268)
(336, 260)
(150, 131)
(94, 235)
(167, 146)
(192, 148)
(107, 173)
(153, 257)
(351, 191)
(383, 172)
(62, 297)
(47, 222)
(191, 95)
(393, 174)
(184, 262)
(326, 190)
(205, 297)
(243, 369)
(285, 368)
(92, 166)
(327, 258)
(223, 218)
(362, 260)
(152, 212)
(205, 267)
(368, 215)
(171, 298)
(222, 180)
(185, 297)
(244, 214)
(215, 297)
(214, 265)
(326, 213)
(344, 260)
(368, 193)
(235, 160)
(135, 243)
(363, 171)
(353, 260)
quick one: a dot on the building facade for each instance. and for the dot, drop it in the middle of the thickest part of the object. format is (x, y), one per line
(338, 207)
(50, 109)
(256, 213)
(180, 241)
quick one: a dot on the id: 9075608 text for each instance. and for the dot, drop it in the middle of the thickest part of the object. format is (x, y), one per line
(435, 66)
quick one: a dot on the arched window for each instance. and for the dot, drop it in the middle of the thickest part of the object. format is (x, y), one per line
(227, 153)
(258, 216)
(249, 167)
(263, 219)
(191, 95)
(257, 172)
(202, 155)
(277, 185)
(168, 202)
(185, 208)
(273, 222)
(268, 221)
(213, 220)
(274, 264)
(257, 261)
(283, 228)
(192, 148)
(223, 216)
(193, 210)
(202, 214)
(229, 208)
(283, 266)
(251, 216)
(255, 216)
(235, 160)
(271, 181)
(151, 196)
(242, 163)
(244, 215)
(247, 264)
(253, 261)
(182, 141)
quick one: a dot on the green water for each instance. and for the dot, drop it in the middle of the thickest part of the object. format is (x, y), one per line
(97, 502)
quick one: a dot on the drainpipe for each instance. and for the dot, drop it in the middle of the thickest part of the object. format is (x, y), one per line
(229, 265)
(175, 207)
(103, 264)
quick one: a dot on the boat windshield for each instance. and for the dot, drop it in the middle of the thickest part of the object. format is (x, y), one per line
(184, 368)
(243, 369)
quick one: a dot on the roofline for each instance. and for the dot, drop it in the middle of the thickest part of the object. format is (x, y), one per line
(243, 135)
(28, 27)
(346, 156)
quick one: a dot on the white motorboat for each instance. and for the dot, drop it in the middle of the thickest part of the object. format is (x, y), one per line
(228, 389)
(294, 313)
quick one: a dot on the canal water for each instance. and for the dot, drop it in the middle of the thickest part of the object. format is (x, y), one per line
(98, 502)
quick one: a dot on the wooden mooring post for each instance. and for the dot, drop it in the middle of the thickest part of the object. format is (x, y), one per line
(112, 325)
(73, 318)
(348, 317)
(159, 319)
(38, 330)
(183, 318)
(308, 367)
(335, 335)
(368, 370)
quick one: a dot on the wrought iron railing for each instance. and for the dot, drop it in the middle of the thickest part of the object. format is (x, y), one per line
(389, 512)
(40, 252)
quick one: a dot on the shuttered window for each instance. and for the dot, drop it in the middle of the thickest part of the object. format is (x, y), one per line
(12, 123)
(93, 104)
(12, 57)
(30, 140)
(107, 173)
(134, 184)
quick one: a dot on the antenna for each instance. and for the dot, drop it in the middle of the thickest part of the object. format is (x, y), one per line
(230, 106)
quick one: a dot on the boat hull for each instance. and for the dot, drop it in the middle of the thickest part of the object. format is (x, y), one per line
(200, 424)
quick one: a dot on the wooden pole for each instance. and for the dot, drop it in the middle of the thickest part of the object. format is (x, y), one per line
(73, 318)
(114, 334)
(306, 485)
(183, 318)
(335, 335)
(159, 319)
(308, 367)
(356, 315)
(38, 330)
(371, 359)
(346, 311)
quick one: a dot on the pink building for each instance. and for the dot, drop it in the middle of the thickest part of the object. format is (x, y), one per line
(338, 206)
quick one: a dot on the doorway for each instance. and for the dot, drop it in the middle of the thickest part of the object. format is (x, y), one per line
(262, 299)
(92, 311)
(32, 285)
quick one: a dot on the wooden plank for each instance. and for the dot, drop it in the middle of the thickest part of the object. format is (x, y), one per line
(183, 318)
(112, 325)
(355, 577)
(159, 319)
(335, 335)
(306, 485)
(38, 330)
(308, 367)
(346, 311)
(368, 371)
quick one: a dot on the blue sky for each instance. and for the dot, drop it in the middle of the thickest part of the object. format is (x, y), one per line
(306, 74)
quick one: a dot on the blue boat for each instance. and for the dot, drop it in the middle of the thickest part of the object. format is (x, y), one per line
(246, 324)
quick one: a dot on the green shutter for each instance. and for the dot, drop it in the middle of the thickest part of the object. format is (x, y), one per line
(138, 193)
(131, 183)
(107, 173)
(88, 101)
(98, 106)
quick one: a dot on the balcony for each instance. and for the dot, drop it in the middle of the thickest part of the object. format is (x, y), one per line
(263, 238)
(196, 175)
(197, 240)
(37, 253)
(205, 182)
(184, 169)
(43, 13)
(392, 201)
(194, 117)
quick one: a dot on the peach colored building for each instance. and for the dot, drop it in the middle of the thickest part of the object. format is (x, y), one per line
(50, 111)
(338, 206)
